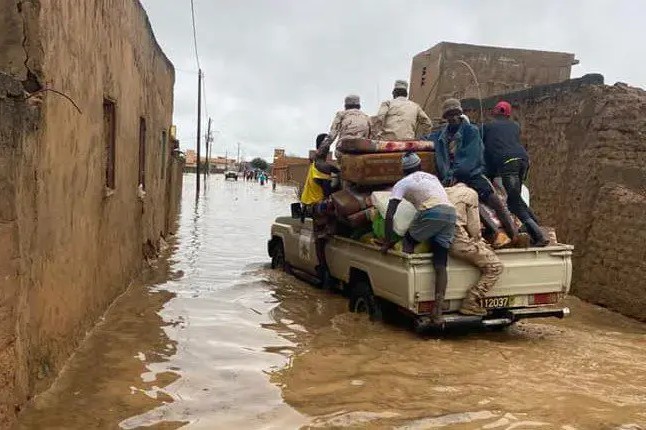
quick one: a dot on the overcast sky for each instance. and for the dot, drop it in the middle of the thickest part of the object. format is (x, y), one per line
(277, 70)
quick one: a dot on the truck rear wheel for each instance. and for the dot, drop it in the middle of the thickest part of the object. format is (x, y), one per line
(362, 300)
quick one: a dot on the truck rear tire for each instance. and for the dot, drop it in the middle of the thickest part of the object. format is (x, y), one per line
(362, 300)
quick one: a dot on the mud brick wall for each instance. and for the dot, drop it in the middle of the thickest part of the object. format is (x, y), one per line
(587, 143)
(17, 121)
(69, 245)
(437, 74)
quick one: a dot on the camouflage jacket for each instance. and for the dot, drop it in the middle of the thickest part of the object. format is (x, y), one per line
(465, 201)
(348, 123)
(400, 119)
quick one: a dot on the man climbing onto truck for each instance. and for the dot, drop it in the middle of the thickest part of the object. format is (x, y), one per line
(459, 157)
(469, 246)
(314, 198)
(506, 157)
(434, 222)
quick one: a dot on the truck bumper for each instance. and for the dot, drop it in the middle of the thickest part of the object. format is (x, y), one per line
(509, 317)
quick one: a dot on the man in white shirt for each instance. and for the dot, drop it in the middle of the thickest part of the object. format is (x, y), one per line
(434, 222)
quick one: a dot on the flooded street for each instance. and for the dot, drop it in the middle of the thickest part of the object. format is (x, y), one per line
(211, 338)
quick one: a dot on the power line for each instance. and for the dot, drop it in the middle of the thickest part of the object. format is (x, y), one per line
(206, 105)
(197, 56)
(197, 59)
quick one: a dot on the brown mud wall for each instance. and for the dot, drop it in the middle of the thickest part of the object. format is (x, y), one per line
(73, 247)
(438, 74)
(18, 125)
(587, 143)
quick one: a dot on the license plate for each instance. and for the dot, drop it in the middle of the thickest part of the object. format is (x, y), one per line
(494, 302)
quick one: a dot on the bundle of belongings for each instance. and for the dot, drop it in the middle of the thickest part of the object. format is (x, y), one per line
(368, 170)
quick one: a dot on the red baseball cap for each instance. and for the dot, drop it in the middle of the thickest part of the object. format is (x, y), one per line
(502, 108)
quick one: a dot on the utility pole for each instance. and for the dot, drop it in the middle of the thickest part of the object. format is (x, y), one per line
(199, 128)
(238, 155)
(208, 151)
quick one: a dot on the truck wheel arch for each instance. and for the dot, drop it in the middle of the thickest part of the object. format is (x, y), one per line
(358, 275)
(359, 291)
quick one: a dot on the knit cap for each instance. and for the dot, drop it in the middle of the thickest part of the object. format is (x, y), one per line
(410, 160)
(451, 105)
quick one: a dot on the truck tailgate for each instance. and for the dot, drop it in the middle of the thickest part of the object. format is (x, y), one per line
(526, 272)
(408, 279)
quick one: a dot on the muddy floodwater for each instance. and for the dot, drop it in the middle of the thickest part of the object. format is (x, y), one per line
(211, 338)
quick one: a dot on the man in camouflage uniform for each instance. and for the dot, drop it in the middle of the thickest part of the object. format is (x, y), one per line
(351, 122)
(468, 245)
(400, 118)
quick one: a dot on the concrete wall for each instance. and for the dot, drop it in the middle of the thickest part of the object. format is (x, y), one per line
(436, 74)
(588, 179)
(78, 246)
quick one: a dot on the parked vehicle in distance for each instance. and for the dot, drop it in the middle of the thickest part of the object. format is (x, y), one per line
(230, 174)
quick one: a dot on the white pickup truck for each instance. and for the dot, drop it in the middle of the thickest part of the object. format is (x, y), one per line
(533, 284)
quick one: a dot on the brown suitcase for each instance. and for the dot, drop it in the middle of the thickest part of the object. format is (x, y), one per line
(379, 169)
(348, 202)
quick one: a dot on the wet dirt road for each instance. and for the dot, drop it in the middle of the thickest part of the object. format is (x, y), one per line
(213, 339)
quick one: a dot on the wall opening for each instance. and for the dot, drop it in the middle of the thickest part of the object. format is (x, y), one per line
(142, 153)
(109, 138)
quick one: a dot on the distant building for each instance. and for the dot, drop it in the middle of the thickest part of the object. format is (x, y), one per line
(216, 164)
(289, 170)
(191, 158)
(439, 73)
(221, 164)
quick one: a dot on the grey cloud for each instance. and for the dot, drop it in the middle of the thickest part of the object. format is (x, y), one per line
(277, 70)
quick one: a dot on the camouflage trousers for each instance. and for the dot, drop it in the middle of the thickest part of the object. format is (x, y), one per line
(480, 255)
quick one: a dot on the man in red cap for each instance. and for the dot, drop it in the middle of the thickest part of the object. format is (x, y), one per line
(506, 157)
